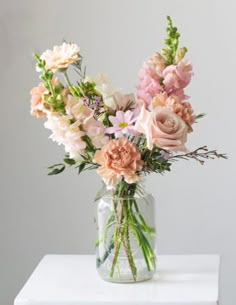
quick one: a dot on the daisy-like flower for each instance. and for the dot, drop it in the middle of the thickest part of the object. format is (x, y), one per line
(122, 123)
(61, 56)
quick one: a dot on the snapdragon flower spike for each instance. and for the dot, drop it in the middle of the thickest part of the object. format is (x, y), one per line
(123, 123)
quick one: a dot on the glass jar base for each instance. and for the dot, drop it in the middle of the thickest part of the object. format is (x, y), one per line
(124, 275)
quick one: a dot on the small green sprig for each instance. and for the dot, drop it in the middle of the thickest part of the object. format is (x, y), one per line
(172, 42)
(154, 162)
(54, 99)
(199, 116)
(79, 69)
(56, 169)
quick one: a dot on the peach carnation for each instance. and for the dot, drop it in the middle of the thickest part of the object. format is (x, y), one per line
(61, 56)
(183, 109)
(118, 159)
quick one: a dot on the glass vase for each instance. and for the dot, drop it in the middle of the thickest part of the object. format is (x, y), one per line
(126, 233)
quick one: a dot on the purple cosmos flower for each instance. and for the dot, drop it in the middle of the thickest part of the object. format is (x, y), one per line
(122, 123)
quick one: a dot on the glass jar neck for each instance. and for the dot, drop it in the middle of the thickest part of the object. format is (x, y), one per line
(124, 189)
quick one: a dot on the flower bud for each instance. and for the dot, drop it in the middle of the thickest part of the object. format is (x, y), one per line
(180, 54)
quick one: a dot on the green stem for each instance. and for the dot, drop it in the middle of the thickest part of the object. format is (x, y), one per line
(67, 79)
(73, 89)
(117, 237)
(143, 242)
(122, 235)
(128, 248)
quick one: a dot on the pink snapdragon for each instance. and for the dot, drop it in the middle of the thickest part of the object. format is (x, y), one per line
(157, 63)
(149, 85)
(177, 76)
(122, 123)
(67, 134)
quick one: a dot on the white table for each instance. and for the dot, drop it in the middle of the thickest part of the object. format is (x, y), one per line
(73, 280)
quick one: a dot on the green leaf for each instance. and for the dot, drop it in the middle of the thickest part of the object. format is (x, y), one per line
(81, 167)
(200, 115)
(69, 161)
(56, 169)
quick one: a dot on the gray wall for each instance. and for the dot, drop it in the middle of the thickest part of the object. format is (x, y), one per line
(195, 205)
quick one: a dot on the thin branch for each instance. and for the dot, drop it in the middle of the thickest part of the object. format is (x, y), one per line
(199, 155)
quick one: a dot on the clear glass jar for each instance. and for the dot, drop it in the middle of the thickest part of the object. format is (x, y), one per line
(126, 234)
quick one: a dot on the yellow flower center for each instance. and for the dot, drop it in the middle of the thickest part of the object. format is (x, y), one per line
(123, 124)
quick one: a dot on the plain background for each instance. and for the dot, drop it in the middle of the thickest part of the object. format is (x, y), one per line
(195, 204)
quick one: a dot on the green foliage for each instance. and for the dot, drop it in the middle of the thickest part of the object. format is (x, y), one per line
(88, 89)
(89, 145)
(125, 190)
(81, 167)
(78, 68)
(86, 164)
(69, 161)
(199, 116)
(56, 169)
(154, 161)
(106, 121)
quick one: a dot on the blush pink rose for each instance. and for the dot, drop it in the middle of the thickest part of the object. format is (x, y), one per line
(182, 109)
(118, 159)
(162, 128)
(177, 76)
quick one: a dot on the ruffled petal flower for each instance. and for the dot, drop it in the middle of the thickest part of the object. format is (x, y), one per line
(60, 57)
(118, 159)
(177, 76)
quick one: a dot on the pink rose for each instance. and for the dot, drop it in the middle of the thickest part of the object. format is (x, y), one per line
(118, 159)
(181, 108)
(162, 128)
(177, 76)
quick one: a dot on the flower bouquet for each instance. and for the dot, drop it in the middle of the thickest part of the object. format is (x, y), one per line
(124, 137)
